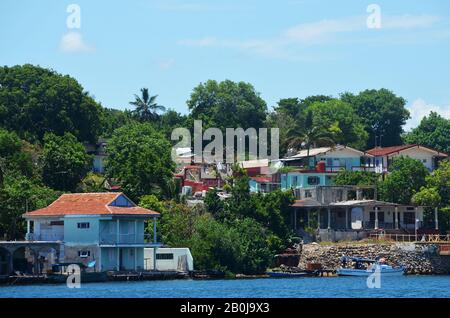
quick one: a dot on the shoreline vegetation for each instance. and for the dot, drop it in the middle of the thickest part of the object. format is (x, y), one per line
(47, 119)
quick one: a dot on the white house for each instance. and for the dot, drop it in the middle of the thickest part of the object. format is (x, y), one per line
(383, 156)
(169, 259)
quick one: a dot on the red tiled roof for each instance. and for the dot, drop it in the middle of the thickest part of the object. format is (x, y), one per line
(261, 179)
(88, 203)
(384, 151)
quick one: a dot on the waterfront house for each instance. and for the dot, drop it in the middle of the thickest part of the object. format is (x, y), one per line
(103, 230)
(317, 166)
(383, 156)
(351, 212)
(98, 152)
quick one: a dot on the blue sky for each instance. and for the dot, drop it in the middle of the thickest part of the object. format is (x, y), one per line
(286, 48)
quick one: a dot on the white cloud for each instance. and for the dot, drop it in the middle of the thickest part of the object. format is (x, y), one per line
(166, 64)
(409, 21)
(314, 32)
(185, 6)
(72, 42)
(289, 43)
(420, 108)
(206, 41)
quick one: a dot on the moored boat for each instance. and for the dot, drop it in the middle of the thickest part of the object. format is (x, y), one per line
(286, 274)
(365, 267)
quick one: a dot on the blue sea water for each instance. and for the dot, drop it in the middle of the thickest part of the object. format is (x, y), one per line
(391, 287)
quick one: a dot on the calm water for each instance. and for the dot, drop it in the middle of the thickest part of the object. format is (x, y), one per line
(407, 286)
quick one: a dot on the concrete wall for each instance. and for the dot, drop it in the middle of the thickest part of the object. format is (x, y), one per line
(75, 236)
(71, 255)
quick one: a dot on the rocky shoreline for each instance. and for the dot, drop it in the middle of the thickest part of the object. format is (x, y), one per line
(420, 259)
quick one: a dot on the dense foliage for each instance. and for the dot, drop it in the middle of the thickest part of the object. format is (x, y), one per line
(65, 162)
(47, 119)
(433, 131)
(383, 114)
(140, 157)
(35, 100)
(406, 177)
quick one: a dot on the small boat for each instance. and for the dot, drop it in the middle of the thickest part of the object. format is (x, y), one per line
(365, 267)
(286, 274)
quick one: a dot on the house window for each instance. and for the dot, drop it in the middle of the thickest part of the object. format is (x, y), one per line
(308, 194)
(84, 254)
(424, 160)
(294, 181)
(83, 225)
(313, 180)
(380, 217)
(408, 218)
(164, 256)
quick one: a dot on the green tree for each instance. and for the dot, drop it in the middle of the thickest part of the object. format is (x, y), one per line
(406, 177)
(17, 196)
(339, 120)
(111, 119)
(92, 182)
(433, 131)
(274, 212)
(308, 134)
(289, 116)
(146, 107)
(65, 162)
(436, 193)
(358, 178)
(383, 115)
(14, 157)
(140, 158)
(227, 104)
(35, 100)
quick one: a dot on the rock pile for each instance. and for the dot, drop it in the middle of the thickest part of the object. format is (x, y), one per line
(418, 259)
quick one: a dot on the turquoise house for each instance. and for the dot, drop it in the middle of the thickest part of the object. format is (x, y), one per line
(317, 166)
(103, 230)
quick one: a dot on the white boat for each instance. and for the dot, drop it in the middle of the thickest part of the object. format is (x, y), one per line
(365, 267)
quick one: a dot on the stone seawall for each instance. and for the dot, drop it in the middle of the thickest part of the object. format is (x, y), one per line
(417, 258)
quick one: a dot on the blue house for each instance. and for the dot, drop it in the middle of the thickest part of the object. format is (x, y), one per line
(317, 166)
(107, 228)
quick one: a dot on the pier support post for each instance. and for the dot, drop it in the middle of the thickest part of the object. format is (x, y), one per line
(376, 218)
(318, 218)
(295, 219)
(396, 215)
(154, 230)
(329, 218)
(416, 223)
(346, 217)
(28, 230)
(436, 219)
(117, 231)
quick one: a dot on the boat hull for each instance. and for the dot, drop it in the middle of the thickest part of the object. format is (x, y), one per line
(364, 273)
(285, 275)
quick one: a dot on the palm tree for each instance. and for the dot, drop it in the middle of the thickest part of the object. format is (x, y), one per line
(308, 135)
(146, 106)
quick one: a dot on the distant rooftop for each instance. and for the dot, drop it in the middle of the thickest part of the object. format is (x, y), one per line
(385, 151)
(89, 204)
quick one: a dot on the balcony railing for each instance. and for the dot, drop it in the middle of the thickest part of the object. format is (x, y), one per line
(48, 237)
(132, 238)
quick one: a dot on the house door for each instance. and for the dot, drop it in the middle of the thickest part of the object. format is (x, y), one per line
(120, 259)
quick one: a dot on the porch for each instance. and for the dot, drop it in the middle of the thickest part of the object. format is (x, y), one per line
(349, 218)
